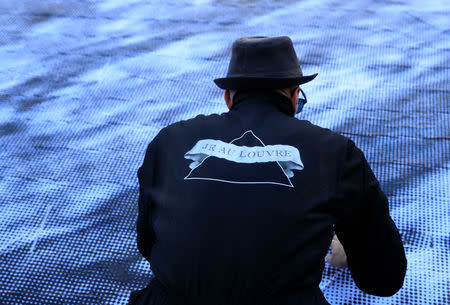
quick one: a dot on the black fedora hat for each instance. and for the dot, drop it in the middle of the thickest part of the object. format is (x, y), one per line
(262, 62)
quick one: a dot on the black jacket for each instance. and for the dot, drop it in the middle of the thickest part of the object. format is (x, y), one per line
(239, 208)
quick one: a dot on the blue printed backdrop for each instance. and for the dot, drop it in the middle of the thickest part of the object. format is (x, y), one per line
(85, 86)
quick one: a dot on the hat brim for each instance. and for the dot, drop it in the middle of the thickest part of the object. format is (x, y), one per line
(239, 83)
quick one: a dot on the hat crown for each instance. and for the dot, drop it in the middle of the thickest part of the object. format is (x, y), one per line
(261, 56)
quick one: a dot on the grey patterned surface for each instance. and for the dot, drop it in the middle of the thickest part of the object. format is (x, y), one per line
(85, 85)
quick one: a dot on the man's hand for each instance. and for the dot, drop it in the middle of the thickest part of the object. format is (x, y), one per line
(337, 258)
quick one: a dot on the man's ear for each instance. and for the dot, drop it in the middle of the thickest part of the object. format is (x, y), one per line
(228, 98)
(294, 99)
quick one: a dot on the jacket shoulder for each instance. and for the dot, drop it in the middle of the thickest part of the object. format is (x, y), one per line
(322, 132)
(197, 120)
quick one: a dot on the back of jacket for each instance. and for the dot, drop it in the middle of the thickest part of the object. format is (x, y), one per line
(239, 208)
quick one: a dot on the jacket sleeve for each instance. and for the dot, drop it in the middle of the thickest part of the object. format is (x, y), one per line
(146, 176)
(375, 254)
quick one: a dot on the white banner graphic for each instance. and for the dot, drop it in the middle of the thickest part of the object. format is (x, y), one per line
(287, 156)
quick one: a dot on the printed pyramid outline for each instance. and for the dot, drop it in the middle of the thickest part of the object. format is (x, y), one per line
(197, 173)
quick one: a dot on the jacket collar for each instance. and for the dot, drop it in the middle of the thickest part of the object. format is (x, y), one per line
(261, 101)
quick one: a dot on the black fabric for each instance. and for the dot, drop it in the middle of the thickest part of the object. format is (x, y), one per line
(281, 102)
(228, 232)
(263, 62)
